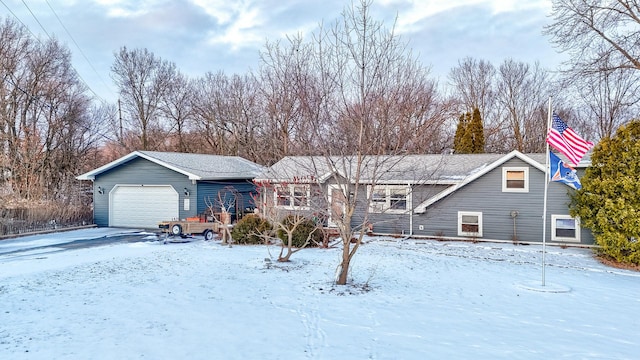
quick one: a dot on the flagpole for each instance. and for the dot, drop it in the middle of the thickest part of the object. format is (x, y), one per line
(546, 186)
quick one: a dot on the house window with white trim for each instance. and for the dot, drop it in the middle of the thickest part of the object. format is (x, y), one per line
(515, 179)
(389, 199)
(293, 196)
(469, 223)
(565, 228)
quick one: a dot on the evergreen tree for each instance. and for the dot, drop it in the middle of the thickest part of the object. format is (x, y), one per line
(608, 202)
(475, 132)
(469, 137)
(462, 143)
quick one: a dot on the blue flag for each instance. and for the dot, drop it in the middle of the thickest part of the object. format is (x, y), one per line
(561, 172)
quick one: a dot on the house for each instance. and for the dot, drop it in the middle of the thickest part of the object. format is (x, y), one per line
(493, 197)
(145, 187)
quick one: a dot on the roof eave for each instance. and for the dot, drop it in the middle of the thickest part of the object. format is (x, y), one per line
(91, 175)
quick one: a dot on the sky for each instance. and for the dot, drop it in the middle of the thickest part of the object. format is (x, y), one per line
(221, 35)
(406, 299)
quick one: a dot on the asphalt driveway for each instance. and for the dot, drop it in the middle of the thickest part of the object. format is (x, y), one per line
(76, 239)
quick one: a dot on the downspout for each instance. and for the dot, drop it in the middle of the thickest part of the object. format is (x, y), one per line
(411, 210)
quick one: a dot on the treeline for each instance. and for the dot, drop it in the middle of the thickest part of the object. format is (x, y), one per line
(309, 93)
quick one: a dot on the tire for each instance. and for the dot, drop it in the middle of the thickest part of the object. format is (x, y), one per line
(176, 229)
(208, 235)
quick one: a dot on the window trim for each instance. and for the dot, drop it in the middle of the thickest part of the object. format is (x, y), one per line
(506, 170)
(470, 213)
(388, 190)
(291, 196)
(555, 237)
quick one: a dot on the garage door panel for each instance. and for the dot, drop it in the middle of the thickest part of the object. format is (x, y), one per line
(142, 206)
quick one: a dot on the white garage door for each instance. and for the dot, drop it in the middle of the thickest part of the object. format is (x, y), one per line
(142, 206)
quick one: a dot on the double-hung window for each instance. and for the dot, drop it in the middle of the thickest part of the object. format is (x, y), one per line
(293, 196)
(565, 228)
(469, 223)
(515, 179)
(389, 199)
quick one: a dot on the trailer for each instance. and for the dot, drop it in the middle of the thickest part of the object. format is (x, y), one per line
(189, 227)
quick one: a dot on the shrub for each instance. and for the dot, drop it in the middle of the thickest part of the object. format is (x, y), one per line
(302, 230)
(608, 202)
(248, 229)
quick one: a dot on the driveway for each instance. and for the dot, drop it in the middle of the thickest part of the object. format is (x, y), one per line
(76, 239)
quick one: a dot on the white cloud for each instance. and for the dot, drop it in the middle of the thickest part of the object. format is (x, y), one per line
(413, 14)
(221, 10)
(126, 8)
(238, 22)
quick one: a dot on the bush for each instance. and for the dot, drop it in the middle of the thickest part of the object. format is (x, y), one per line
(618, 247)
(301, 232)
(608, 202)
(247, 230)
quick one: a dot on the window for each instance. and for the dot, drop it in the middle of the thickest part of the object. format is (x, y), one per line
(283, 197)
(389, 199)
(300, 196)
(292, 196)
(469, 223)
(565, 228)
(515, 179)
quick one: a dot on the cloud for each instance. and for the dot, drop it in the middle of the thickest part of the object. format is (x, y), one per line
(413, 15)
(248, 24)
(126, 8)
(238, 27)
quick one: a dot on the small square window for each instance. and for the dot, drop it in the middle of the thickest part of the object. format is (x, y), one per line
(515, 179)
(469, 223)
(565, 228)
(398, 199)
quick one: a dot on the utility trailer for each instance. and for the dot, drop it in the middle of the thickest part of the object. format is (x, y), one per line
(189, 227)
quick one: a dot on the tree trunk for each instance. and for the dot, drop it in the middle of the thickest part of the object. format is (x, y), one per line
(344, 265)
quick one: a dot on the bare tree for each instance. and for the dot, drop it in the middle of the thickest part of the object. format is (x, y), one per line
(521, 92)
(291, 215)
(280, 77)
(473, 85)
(362, 96)
(176, 108)
(143, 80)
(45, 123)
(599, 35)
(209, 112)
(228, 116)
(609, 99)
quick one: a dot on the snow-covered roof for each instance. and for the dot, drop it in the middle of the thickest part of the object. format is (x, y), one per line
(402, 169)
(195, 166)
(457, 170)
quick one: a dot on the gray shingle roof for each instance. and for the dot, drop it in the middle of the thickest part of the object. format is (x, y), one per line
(195, 166)
(383, 169)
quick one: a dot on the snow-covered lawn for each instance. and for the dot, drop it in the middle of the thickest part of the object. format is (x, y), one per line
(409, 299)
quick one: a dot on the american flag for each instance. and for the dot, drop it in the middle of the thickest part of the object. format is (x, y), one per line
(565, 140)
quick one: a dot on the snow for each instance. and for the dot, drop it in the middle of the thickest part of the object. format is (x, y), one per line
(407, 299)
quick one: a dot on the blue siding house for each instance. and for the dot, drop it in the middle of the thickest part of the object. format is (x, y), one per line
(490, 197)
(145, 187)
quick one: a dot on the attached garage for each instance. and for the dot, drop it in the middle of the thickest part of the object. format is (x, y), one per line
(142, 206)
